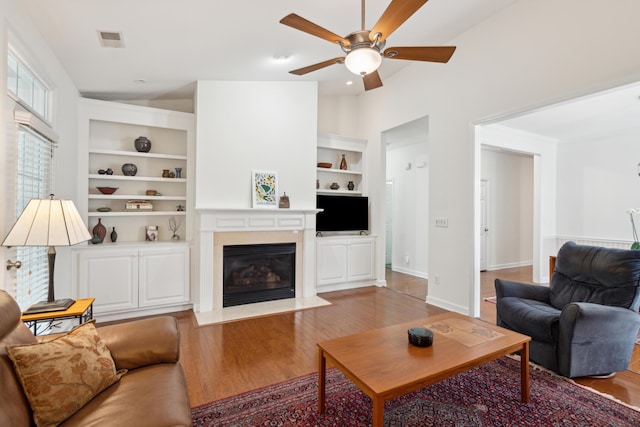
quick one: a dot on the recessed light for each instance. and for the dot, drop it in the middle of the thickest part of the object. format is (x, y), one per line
(140, 81)
(349, 83)
(280, 58)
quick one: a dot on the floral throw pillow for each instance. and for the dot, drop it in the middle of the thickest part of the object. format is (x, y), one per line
(60, 376)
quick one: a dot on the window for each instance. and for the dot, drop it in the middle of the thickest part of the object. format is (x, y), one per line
(34, 181)
(26, 87)
(33, 169)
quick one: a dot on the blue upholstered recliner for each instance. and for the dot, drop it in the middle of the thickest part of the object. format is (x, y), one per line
(586, 322)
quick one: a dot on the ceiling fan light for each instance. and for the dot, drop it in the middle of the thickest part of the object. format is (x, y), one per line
(363, 61)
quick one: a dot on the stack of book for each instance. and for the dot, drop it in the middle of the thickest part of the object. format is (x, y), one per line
(138, 205)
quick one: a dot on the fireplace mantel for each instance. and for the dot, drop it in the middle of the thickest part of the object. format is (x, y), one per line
(237, 220)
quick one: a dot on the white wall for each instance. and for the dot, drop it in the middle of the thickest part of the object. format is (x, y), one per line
(16, 26)
(597, 183)
(245, 126)
(336, 115)
(533, 53)
(509, 209)
(410, 207)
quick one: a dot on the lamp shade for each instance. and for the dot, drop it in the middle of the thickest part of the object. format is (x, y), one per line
(363, 61)
(48, 222)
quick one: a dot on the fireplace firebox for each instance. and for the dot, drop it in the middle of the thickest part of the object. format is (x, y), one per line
(258, 273)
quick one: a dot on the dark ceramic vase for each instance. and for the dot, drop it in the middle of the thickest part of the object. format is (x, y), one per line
(142, 144)
(129, 169)
(114, 235)
(100, 230)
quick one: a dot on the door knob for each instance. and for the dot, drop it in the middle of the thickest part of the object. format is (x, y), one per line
(16, 264)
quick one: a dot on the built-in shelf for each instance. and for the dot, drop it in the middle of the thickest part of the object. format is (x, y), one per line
(331, 149)
(137, 154)
(138, 213)
(134, 197)
(350, 192)
(137, 178)
(332, 170)
(108, 131)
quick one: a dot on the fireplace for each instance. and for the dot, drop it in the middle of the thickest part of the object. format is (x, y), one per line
(257, 273)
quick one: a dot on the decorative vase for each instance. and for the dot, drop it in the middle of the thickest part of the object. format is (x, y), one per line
(284, 201)
(343, 163)
(100, 231)
(165, 173)
(114, 235)
(351, 186)
(142, 144)
(317, 184)
(178, 172)
(129, 169)
(334, 186)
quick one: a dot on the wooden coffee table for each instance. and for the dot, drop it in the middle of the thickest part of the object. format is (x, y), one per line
(383, 364)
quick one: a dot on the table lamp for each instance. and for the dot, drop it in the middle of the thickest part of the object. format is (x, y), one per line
(48, 222)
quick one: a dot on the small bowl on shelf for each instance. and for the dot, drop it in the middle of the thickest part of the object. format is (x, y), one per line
(151, 192)
(107, 190)
(104, 209)
(325, 165)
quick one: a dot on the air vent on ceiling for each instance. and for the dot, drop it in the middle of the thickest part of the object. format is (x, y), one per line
(110, 39)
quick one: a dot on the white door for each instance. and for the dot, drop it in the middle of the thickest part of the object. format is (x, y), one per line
(484, 227)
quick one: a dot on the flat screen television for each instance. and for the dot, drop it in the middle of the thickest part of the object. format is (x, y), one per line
(342, 213)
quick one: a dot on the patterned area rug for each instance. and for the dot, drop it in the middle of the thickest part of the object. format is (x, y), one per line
(488, 395)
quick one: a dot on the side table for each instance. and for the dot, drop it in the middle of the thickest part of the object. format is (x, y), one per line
(81, 310)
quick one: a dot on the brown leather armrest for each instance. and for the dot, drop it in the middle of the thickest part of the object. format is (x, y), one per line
(142, 342)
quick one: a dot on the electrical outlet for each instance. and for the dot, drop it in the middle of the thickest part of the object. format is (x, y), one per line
(406, 259)
(442, 221)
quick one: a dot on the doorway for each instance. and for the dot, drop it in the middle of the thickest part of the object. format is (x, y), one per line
(406, 200)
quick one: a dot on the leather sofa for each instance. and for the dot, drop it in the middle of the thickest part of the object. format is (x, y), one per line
(586, 322)
(152, 393)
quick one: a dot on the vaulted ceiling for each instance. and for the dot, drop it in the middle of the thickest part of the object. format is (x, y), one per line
(169, 44)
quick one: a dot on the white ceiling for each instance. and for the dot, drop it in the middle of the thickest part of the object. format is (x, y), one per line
(173, 43)
(170, 44)
(611, 112)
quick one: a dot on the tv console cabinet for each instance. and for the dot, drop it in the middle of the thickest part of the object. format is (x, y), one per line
(345, 262)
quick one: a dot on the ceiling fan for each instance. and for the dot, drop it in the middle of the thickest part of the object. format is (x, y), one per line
(364, 48)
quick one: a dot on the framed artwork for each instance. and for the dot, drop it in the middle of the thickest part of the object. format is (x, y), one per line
(264, 187)
(151, 233)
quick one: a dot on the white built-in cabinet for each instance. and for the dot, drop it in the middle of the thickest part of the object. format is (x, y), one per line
(134, 277)
(331, 148)
(128, 280)
(345, 262)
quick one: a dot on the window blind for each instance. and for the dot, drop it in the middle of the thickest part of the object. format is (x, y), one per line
(34, 181)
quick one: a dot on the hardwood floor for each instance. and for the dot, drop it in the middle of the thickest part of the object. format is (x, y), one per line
(226, 359)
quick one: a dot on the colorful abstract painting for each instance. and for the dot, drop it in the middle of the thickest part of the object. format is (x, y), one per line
(265, 189)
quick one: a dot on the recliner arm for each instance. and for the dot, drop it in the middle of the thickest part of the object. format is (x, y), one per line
(592, 335)
(142, 342)
(508, 288)
(596, 319)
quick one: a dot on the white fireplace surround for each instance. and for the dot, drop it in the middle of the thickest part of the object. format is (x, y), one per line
(229, 220)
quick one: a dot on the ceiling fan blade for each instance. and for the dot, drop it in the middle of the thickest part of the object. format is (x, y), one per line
(396, 13)
(421, 53)
(372, 80)
(299, 23)
(314, 67)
